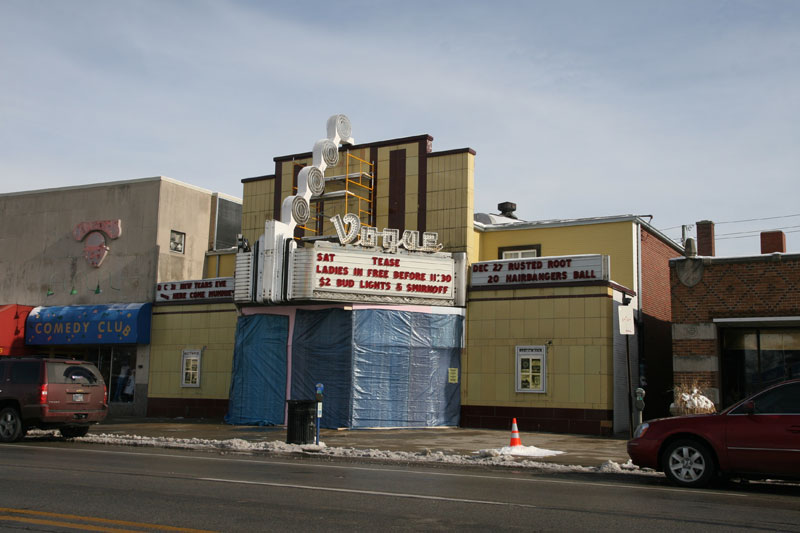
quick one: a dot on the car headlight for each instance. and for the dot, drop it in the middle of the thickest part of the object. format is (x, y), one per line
(641, 430)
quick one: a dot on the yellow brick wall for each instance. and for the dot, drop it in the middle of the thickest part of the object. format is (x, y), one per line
(257, 206)
(210, 328)
(578, 323)
(220, 265)
(616, 239)
(450, 202)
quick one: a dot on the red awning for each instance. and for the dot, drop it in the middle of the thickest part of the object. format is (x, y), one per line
(12, 329)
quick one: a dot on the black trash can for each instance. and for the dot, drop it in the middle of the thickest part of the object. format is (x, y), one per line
(301, 426)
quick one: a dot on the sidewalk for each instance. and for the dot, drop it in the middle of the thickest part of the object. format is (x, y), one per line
(579, 449)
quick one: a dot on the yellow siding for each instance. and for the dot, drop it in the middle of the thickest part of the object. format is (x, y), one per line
(220, 265)
(210, 328)
(257, 205)
(578, 366)
(616, 239)
(450, 202)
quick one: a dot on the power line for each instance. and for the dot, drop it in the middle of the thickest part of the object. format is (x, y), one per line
(757, 219)
(735, 221)
(756, 231)
(748, 236)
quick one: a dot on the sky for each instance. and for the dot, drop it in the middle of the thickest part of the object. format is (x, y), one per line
(679, 110)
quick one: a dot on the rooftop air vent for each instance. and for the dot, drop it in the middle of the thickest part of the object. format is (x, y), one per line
(507, 209)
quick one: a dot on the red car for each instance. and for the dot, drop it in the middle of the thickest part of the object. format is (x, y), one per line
(759, 437)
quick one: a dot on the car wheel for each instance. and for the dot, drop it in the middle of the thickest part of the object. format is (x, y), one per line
(70, 432)
(11, 429)
(688, 463)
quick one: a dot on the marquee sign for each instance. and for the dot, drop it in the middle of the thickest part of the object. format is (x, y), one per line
(366, 264)
(329, 271)
(194, 290)
(527, 271)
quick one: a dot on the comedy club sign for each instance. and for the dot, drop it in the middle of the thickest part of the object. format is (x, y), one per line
(89, 324)
(540, 270)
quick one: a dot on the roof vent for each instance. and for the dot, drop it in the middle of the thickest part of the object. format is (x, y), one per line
(690, 248)
(507, 209)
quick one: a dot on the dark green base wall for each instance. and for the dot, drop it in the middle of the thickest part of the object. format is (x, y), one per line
(186, 408)
(575, 421)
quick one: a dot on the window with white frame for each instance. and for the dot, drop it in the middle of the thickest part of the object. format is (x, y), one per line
(531, 369)
(519, 252)
(177, 241)
(190, 364)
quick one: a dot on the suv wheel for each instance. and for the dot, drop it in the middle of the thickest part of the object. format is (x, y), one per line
(11, 429)
(70, 432)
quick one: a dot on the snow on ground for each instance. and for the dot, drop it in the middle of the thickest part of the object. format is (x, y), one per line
(521, 451)
(506, 456)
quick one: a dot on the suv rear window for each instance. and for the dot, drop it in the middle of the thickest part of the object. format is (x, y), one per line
(69, 373)
(25, 372)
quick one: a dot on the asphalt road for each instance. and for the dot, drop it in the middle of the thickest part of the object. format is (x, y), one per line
(57, 486)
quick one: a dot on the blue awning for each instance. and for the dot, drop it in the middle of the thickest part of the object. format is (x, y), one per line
(89, 324)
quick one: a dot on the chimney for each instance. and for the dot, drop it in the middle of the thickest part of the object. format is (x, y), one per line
(705, 238)
(773, 241)
(507, 209)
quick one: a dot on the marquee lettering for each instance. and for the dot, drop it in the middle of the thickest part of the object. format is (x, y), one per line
(349, 230)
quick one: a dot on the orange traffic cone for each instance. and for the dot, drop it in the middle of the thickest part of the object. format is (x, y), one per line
(515, 440)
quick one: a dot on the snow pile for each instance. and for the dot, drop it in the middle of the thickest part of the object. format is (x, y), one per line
(506, 456)
(522, 451)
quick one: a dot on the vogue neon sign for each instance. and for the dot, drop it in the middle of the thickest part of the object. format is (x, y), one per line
(391, 240)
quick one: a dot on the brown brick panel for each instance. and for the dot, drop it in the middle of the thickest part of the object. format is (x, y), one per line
(576, 421)
(704, 380)
(397, 189)
(656, 276)
(186, 407)
(694, 347)
(731, 289)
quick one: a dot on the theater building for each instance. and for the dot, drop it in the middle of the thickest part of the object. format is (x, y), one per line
(374, 278)
(543, 337)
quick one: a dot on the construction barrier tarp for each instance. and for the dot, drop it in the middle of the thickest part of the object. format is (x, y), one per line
(321, 353)
(380, 368)
(258, 382)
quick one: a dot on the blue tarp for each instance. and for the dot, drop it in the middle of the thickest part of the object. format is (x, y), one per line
(380, 368)
(402, 364)
(258, 384)
(321, 353)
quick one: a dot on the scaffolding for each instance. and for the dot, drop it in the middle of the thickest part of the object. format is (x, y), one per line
(355, 187)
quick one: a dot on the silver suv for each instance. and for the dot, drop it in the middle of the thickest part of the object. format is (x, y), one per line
(38, 392)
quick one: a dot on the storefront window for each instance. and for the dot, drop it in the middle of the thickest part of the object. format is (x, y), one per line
(753, 359)
(531, 369)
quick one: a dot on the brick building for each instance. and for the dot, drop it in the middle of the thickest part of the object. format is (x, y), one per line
(736, 320)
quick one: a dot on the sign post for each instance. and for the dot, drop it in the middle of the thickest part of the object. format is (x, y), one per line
(627, 328)
(320, 388)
